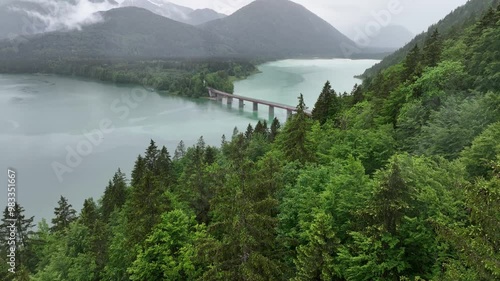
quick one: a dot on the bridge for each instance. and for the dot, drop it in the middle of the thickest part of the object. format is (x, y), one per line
(219, 96)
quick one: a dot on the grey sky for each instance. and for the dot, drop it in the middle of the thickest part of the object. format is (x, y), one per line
(346, 15)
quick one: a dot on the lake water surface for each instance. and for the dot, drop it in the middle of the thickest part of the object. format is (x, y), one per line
(67, 136)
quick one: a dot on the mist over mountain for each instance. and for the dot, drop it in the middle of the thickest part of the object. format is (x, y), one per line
(27, 17)
(263, 29)
(175, 12)
(127, 32)
(391, 36)
(279, 28)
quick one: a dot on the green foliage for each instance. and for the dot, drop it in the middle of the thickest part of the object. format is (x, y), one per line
(293, 140)
(64, 215)
(169, 253)
(327, 105)
(479, 158)
(404, 185)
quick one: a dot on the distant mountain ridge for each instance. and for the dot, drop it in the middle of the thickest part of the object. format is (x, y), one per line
(265, 29)
(175, 12)
(127, 32)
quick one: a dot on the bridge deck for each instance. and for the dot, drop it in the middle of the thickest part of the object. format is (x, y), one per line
(259, 101)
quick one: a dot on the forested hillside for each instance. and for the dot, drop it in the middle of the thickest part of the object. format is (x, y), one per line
(449, 27)
(399, 180)
(186, 78)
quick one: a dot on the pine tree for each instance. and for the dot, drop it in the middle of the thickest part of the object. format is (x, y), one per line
(89, 214)
(64, 215)
(432, 49)
(249, 132)
(146, 204)
(98, 235)
(275, 128)
(412, 64)
(138, 171)
(243, 231)
(180, 151)
(23, 228)
(321, 111)
(293, 141)
(325, 107)
(165, 169)
(260, 129)
(114, 196)
(151, 156)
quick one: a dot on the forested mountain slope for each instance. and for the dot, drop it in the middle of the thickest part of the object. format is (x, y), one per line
(399, 180)
(451, 25)
(127, 32)
(277, 29)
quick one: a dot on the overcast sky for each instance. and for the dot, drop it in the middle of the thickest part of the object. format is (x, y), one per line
(345, 15)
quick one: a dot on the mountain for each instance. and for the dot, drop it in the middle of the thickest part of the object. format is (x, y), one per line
(392, 37)
(279, 28)
(124, 32)
(28, 17)
(201, 16)
(174, 11)
(453, 23)
(14, 21)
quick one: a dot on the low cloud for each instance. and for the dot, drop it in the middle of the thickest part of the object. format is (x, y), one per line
(62, 14)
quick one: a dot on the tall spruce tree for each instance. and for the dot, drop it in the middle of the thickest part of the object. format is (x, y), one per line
(114, 195)
(180, 151)
(275, 128)
(432, 49)
(327, 105)
(412, 64)
(15, 220)
(293, 141)
(243, 231)
(64, 215)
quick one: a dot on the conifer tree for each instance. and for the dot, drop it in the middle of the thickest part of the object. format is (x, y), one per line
(64, 215)
(165, 169)
(432, 49)
(249, 132)
(138, 171)
(89, 214)
(293, 141)
(180, 151)
(242, 235)
(275, 128)
(151, 156)
(114, 195)
(23, 228)
(321, 107)
(412, 64)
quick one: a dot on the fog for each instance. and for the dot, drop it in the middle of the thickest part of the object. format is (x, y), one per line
(346, 15)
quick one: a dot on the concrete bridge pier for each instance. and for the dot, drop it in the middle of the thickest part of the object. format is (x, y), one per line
(289, 114)
(271, 112)
(242, 103)
(229, 101)
(255, 106)
(219, 98)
